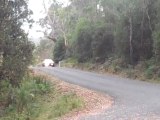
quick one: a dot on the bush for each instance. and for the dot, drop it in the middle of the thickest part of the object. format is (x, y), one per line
(42, 85)
(92, 41)
(23, 100)
(83, 40)
(149, 73)
(59, 50)
(28, 90)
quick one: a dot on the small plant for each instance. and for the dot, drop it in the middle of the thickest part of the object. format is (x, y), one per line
(149, 73)
(42, 85)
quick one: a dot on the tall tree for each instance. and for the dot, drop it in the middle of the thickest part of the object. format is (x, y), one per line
(132, 26)
(15, 49)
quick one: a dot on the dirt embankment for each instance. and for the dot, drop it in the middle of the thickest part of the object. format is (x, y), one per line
(94, 102)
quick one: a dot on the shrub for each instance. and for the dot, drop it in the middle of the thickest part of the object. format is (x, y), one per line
(42, 85)
(149, 73)
(59, 50)
(131, 73)
(23, 100)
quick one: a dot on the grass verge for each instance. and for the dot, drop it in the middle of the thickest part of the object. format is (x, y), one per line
(37, 99)
(64, 105)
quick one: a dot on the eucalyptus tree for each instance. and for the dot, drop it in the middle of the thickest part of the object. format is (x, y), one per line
(134, 31)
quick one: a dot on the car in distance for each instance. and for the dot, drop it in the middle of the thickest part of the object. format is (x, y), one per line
(48, 62)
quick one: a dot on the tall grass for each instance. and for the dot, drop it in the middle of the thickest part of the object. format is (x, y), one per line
(23, 100)
(65, 104)
(36, 99)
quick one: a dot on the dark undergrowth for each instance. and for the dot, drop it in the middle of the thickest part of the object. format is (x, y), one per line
(143, 70)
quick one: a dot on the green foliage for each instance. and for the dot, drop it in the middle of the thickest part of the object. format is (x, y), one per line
(59, 50)
(92, 41)
(121, 39)
(157, 44)
(23, 100)
(71, 60)
(4, 90)
(83, 39)
(65, 104)
(37, 99)
(95, 30)
(15, 48)
(15, 66)
(43, 51)
(102, 43)
(42, 86)
(149, 73)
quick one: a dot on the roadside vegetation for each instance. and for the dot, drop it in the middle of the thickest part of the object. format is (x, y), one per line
(36, 99)
(24, 96)
(65, 104)
(141, 71)
(23, 103)
(118, 35)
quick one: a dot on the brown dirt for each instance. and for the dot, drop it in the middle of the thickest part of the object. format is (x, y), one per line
(94, 102)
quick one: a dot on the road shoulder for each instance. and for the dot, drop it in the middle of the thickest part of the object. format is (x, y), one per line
(94, 102)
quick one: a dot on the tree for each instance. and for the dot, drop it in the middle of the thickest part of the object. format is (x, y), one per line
(44, 50)
(97, 29)
(59, 50)
(15, 49)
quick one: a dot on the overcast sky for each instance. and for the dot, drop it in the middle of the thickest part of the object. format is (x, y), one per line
(38, 12)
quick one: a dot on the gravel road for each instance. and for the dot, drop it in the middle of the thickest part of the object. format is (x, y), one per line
(133, 100)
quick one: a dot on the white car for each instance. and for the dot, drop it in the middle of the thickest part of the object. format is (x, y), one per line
(48, 62)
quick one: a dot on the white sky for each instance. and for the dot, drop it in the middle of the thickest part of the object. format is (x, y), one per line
(38, 12)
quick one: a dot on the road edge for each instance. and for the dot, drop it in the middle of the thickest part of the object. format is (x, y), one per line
(95, 102)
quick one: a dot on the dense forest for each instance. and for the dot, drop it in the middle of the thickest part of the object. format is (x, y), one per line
(95, 30)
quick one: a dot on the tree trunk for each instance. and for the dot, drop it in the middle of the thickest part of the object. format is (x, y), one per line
(130, 39)
(142, 30)
(65, 39)
(149, 19)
